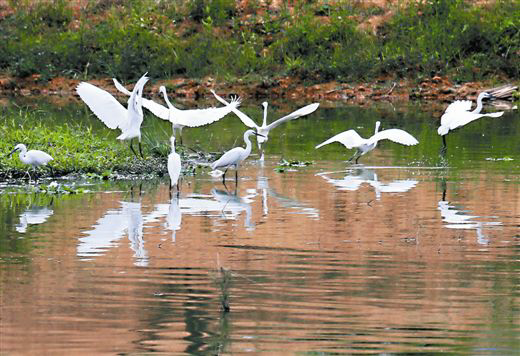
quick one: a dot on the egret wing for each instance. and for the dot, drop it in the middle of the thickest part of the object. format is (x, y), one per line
(306, 110)
(157, 109)
(464, 118)
(459, 105)
(349, 139)
(245, 119)
(103, 105)
(200, 117)
(121, 88)
(396, 135)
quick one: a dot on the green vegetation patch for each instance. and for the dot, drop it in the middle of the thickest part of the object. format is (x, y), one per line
(75, 149)
(313, 41)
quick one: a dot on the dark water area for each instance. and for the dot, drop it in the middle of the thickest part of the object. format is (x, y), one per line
(406, 252)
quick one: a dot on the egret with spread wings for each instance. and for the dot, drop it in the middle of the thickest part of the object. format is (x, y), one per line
(458, 114)
(181, 118)
(351, 139)
(265, 128)
(113, 114)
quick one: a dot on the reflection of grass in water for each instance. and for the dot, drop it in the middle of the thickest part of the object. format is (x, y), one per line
(223, 282)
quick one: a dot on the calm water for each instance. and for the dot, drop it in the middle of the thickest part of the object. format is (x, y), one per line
(406, 252)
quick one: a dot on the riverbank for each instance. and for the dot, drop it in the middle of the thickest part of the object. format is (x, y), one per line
(436, 89)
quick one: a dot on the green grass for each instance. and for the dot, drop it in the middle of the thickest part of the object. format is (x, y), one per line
(213, 37)
(75, 149)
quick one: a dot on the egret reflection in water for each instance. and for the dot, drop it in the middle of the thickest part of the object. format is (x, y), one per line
(456, 217)
(286, 202)
(219, 203)
(110, 228)
(33, 216)
(354, 178)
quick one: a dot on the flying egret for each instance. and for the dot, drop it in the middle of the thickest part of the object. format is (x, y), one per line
(264, 129)
(174, 166)
(35, 158)
(458, 114)
(235, 156)
(113, 114)
(351, 139)
(181, 118)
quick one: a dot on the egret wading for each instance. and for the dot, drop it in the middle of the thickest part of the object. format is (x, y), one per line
(351, 139)
(181, 118)
(265, 128)
(35, 158)
(174, 166)
(235, 156)
(458, 114)
(113, 114)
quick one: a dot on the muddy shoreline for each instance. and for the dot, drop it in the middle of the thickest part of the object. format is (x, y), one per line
(436, 89)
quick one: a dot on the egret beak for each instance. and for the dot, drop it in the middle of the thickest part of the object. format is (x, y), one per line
(256, 133)
(13, 151)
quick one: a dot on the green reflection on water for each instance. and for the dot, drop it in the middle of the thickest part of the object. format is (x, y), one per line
(487, 143)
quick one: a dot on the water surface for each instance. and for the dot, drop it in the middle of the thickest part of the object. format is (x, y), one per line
(406, 252)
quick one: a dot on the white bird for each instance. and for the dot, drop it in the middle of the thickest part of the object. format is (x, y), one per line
(35, 158)
(113, 114)
(235, 156)
(458, 114)
(174, 166)
(264, 129)
(351, 139)
(181, 118)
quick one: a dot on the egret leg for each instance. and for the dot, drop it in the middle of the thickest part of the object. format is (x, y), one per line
(132, 148)
(224, 176)
(140, 150)
(353, 156)
(357, 159)
(444, 147)
(236, 176)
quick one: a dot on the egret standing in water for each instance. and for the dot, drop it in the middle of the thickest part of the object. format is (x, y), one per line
(235, 156)
(113, 114)
(264, 129)
(351, 139)
(35, 158)
(458, 114)
(181, 118)
(174, 166)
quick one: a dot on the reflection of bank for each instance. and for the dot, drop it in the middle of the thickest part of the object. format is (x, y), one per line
(111, 228)
(355, 178)
(455, 217)
(33, 216)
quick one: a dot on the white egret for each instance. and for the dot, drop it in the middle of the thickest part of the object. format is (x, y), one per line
(351, 139)
(235, 156)
(181, 118)
(174, 166)
(264, 129)
(35, 158)
(458, 114)
(113, 114)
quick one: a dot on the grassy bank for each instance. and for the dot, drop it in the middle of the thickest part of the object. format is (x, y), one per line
(314, 41)
(75, 149)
